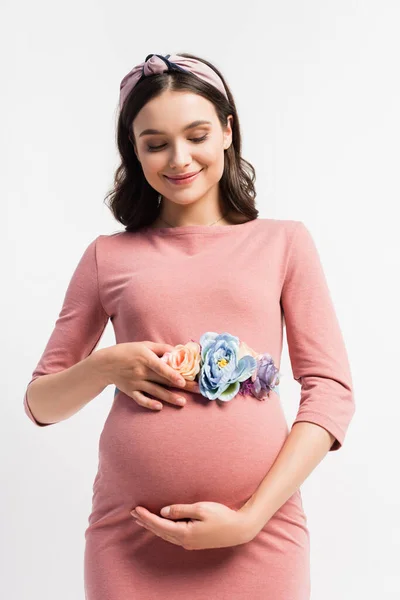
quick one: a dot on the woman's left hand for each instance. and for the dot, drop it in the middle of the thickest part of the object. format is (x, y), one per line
(210, 525)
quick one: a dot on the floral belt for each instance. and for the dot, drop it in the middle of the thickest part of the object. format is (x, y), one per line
(224, 366)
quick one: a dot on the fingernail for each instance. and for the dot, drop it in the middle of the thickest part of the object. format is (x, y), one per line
(181, 401)
(181, 382)
(134, 513)
(165, 511)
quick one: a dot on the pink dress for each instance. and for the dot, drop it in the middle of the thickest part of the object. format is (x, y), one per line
(172, 285)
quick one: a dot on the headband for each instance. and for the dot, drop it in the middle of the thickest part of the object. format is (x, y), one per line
(156, 63)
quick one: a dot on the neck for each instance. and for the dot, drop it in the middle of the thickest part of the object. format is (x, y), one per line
(216, 221)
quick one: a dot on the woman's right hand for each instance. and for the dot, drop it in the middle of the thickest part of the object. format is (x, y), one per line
(136, 367)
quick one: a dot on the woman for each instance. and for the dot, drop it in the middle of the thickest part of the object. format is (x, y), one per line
(197, 288)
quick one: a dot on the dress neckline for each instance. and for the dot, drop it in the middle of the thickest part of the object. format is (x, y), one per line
(198, 229)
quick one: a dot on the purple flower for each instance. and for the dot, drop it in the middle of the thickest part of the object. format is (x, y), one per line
(265, 378)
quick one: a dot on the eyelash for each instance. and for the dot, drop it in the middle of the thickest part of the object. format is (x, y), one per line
(195, 140)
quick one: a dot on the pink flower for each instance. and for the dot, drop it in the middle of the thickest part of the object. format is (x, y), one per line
(184, 358)
(245, 349)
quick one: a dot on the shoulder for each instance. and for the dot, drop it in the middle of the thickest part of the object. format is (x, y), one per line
(116, 239)
(117, 249)
(290, 240)
(283, 229)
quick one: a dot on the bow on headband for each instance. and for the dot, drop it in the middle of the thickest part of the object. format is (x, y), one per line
(156, 63)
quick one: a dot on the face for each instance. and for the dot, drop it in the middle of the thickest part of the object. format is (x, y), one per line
(178, 150)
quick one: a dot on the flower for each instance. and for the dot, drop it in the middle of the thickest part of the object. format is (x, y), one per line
(245, 349)
(184, 358)
(267, 376)
(223, 365)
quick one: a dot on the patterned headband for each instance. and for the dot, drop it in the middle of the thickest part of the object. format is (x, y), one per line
(156, 63)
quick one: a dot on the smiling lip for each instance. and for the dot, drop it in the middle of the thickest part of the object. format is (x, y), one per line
(185, 180)
(184, 176)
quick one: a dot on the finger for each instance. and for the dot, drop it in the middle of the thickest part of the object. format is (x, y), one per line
(145, 401)
(162, 526)
(159, 348)
(183, 511)
(158, 366)
(192, 386)
(161, 393)
(164, 536)
(176, 539)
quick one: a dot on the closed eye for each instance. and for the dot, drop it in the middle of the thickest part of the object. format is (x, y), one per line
(195, 140)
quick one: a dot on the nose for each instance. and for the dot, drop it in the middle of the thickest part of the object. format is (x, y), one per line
(180, 157)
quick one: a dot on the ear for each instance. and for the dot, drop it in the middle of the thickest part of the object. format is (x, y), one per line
(228, 133)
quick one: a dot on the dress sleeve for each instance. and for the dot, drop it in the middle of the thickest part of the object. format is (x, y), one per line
(79, 326)
(316, 347)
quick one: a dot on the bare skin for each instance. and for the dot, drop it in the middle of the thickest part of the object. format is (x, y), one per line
(230, 219)
(135, 368)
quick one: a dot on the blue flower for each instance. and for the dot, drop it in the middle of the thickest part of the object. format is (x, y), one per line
(222, 370)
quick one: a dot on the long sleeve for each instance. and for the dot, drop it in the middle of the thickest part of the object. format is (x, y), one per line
(316, 347)
(79, 326)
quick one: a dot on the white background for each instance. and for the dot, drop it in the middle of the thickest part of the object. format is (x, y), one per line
(317, 89)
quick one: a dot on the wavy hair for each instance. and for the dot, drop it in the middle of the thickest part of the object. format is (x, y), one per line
(132, 200)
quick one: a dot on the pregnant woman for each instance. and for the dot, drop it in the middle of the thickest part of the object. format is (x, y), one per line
(198, 289)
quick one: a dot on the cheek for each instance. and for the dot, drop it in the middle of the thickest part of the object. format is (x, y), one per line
(152, 164)
(209, 156)
(214, 160)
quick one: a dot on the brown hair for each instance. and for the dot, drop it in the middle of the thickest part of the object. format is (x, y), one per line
(133, 202)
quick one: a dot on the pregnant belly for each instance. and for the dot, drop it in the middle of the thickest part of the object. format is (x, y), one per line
(206, 451)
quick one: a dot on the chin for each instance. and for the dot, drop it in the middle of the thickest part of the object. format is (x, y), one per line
(185, 196)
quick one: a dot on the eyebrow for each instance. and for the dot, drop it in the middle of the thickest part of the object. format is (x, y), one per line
(190, 126)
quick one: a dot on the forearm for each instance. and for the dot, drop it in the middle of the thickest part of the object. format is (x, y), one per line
(304, 448)
(57, 396)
